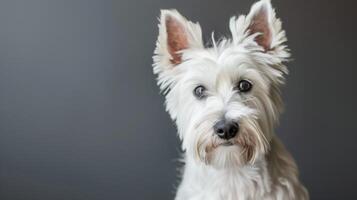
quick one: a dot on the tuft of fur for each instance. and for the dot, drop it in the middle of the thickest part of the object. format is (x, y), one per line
(255, 165)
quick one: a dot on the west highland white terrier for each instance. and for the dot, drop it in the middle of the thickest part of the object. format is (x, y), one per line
(225, 100)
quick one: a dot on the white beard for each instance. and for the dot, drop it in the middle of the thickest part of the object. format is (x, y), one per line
(273, 177)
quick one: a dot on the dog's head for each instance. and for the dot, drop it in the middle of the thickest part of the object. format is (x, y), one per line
(225, 99)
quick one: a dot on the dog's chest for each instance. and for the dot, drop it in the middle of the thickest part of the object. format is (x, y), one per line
(243, 184)
(247, 183)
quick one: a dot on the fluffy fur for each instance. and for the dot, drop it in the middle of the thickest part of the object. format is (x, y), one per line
(256, 165)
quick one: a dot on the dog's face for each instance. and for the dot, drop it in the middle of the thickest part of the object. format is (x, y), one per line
(224, 99)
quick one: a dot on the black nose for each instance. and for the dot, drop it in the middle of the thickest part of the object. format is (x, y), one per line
(226, 129)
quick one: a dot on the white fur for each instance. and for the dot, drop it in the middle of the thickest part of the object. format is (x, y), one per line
(257, 166)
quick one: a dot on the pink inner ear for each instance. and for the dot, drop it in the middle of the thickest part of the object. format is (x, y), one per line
(260, 24)
(176, 39)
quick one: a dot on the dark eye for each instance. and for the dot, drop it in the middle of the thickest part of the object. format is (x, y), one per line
(244, 86)
(200, 92)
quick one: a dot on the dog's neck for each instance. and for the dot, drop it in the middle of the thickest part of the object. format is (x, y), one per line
(226, 182)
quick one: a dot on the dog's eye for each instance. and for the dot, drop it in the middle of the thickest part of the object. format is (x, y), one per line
(200, 92)
(244, 86)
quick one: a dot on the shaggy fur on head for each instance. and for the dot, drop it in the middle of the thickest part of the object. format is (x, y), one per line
(254, 164)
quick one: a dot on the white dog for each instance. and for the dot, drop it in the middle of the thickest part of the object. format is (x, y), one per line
(225, 100)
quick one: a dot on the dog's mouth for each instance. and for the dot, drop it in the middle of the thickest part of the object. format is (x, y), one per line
(224, 143)
(227, 144)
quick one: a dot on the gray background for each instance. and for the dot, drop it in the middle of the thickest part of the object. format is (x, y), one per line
(81, 116)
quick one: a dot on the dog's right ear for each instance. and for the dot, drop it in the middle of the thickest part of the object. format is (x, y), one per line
(176, 34)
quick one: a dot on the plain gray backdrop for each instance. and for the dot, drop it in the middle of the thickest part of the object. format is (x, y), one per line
(81, 117)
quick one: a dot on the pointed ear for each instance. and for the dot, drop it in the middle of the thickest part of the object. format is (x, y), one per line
(176, 34)
(262, 21)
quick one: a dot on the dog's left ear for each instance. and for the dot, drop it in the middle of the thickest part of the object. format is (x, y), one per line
(261, 18)
(261, 22)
